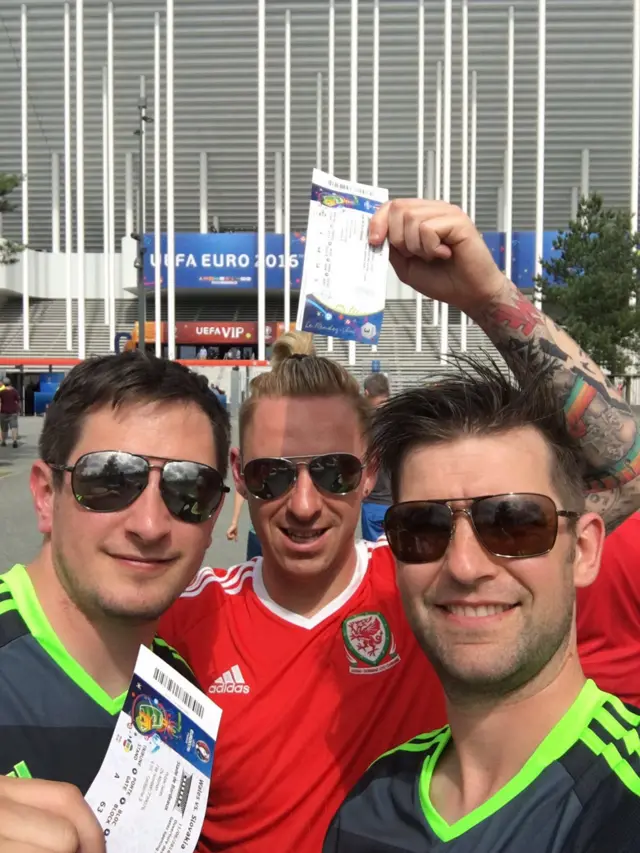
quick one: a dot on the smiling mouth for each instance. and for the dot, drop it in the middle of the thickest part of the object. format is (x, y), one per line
(302, 537)
(478, 611)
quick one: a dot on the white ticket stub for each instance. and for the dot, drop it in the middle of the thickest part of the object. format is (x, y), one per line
(344, 280)
(150, 795)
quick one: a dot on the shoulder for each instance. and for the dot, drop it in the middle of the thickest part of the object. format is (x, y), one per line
(201, 602)
(386, 792)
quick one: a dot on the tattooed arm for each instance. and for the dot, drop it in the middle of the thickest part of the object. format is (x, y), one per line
(603, 423)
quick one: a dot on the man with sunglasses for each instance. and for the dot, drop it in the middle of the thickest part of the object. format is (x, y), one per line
(307, 650)
(492, 537)
(126, 520)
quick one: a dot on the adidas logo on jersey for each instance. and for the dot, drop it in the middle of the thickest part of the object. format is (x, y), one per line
(230, 681)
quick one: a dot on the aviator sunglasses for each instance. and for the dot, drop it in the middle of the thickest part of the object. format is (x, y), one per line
(515, 525)
(111, 480)
(269, 478)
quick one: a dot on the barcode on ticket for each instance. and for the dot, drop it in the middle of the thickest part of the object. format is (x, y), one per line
(177, 690)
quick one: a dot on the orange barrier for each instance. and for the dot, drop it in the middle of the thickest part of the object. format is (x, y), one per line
(64, 361)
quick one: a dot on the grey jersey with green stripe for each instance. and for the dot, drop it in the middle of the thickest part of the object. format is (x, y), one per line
(56, 722)
(578, 793)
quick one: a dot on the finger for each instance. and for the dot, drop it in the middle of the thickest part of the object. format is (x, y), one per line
(379, 224)
(432, 247)
(57, 802)
(8, 845)
(397, 237)
(412, 235)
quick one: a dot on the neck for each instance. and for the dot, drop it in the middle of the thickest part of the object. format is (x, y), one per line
(491, 740)
(105, 648)
(306, 596)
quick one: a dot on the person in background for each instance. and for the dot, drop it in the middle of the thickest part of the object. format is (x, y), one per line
(290, 343)
(609, 616)
(377, 391)
(9, 411)
(202, 353)
(492, 537)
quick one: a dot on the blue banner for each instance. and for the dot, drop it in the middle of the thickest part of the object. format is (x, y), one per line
(229, 261)
(221, 261)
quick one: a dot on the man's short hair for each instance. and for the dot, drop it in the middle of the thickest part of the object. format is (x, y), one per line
(306, 376)
(377, 385)
(479, 399)
(122, 380)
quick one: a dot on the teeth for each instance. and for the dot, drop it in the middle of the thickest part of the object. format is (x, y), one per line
(478, 612)
(304, 537)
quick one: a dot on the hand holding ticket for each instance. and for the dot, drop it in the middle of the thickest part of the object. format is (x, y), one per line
(344, 280)
(150, 794)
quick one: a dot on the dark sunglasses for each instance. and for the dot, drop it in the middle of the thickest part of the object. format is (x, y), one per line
(512, 525)
(111, 480)
(269, 478)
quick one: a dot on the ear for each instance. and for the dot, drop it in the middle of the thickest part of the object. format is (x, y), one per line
(590, 536)
(369, 477)
(236, 470)
(43, 493)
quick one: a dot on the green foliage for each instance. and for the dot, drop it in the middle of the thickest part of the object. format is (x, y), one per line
(598, 266)
(9, 249)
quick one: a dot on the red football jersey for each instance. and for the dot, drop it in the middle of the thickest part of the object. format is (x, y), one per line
(608, 614)
(308, 703)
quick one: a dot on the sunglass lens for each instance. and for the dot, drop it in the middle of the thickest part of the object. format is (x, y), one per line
(108, 481)
(192, 492)
(519, 525)
(268, 479)
(336, 473)
(418, 532)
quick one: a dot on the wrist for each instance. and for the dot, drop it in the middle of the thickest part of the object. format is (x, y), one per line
(501, 292)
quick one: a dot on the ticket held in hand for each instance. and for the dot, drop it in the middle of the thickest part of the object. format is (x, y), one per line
(344, 280)
(151, 792)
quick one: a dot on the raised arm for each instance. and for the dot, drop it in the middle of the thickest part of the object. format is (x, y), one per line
(602, 422)
(436, 249)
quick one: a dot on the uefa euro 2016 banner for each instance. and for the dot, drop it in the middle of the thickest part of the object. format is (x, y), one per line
(221, 261)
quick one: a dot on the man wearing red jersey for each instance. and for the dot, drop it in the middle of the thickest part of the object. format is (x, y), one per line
(609, 616)
(307, 649)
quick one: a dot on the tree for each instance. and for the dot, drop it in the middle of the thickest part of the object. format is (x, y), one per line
(9, 249)
(588, 288)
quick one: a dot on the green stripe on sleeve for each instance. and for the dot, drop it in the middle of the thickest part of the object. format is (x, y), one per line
(7, 606)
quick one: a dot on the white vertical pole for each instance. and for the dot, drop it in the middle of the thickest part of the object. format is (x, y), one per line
(474, 145)
(465, 140)
(80, 107)
(438, 194)
(353, 122)
(24, 114)
(204, 193)
(585, 165)
(500, 209)
(465, 106)
(262, 270)
(420, 153)
(575, 201)
(111, 284)
(375, 152)
(319, 121)
(277, 192)
(105, 195)
(170, 189)
(142, 190)
(430, 188)
(635, 116)
(446, 155)
(55, 202)
(508, 180)
(157, 251)
(287, 170)
(128, 192)
(68, 201)
(331, 105)
(542, 92)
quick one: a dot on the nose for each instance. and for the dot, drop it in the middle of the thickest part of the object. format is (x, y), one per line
(148, 519)
(305, 501)
(466, 560)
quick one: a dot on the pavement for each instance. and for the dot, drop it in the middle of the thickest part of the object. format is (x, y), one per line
(19, 537)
